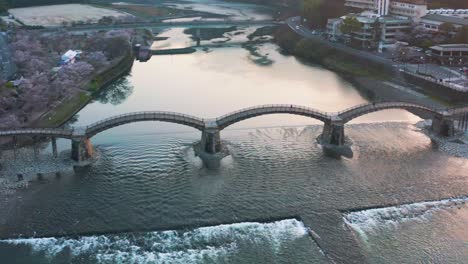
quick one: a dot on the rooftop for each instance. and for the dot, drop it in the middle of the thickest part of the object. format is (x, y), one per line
(448, 19)
(451, 47)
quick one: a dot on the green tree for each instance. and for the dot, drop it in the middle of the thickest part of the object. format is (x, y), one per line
(318, 12)
(3, 6)
(426, 43)
(376, 30)
(350, 25)
(447, 27)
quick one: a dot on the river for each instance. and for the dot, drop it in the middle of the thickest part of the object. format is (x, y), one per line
(149, 199)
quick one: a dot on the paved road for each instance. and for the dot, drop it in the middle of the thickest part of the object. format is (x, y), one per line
(7, 67)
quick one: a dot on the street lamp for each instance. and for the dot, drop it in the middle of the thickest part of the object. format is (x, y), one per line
(421, 61)
(450, 73)
(404, 60)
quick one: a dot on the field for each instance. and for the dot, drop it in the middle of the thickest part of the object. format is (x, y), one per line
(144, 10)
(56, 15)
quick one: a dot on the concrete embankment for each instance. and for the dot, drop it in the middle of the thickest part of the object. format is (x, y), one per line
(437, 89)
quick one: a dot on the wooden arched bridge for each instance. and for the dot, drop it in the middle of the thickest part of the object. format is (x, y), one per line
(443, 123)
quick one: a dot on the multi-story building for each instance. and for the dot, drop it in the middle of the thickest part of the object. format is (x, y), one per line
(333, 27)
(409, 8)
(369, 34)
(362, 4)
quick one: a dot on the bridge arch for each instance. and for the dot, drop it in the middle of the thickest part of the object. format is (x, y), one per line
(120, 120)
(247, 113)
(364, 109)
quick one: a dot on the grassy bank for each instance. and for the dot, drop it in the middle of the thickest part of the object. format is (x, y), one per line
(316, 51)
(68, 108)
(370, 78)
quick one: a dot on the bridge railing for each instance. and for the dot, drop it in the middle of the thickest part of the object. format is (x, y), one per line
(457, 110)
(259, 108)
(34, 131)
(363, 108)
(131, 116)
(351, 108)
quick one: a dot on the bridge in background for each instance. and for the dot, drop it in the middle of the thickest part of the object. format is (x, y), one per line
(443, 124)
(168, 24)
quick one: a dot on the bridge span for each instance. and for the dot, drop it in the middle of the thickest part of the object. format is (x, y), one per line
(169, 24)
(443, 123)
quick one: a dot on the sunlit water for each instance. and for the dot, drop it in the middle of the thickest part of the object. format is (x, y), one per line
(148, 181)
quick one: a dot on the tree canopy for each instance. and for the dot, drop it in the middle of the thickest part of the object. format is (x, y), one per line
(3, 6)
(447, 27)
(318, 11)
(350, 25)
(462, 36)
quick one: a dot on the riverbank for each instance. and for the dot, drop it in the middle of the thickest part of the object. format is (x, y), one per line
(59, 115)
(376, 81)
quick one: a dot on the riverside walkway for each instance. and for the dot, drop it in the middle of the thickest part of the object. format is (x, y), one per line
(443, 123)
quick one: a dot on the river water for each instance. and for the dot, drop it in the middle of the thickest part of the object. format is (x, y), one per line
(149, 199)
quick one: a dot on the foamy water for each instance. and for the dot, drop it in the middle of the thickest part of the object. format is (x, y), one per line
(202, 245)
(368, 221)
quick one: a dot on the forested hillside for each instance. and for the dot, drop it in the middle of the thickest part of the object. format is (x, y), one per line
(455, 4)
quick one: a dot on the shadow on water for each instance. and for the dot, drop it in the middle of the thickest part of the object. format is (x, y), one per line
(116, 93)
(338, 151)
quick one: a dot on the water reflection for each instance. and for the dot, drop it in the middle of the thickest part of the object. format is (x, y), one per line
(116, 93)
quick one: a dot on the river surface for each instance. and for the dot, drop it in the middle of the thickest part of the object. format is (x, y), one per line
(277, 198)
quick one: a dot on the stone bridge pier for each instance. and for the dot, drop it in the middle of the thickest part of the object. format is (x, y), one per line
(333, 132)
(211, 138)
(82, 149)
(443, 125)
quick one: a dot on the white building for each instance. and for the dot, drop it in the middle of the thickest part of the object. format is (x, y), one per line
(409, 8)
(383, 7)
(461, 13)
(333, 27)
(70, 56)
(362, 4)
(414, 9)
(368, 35)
